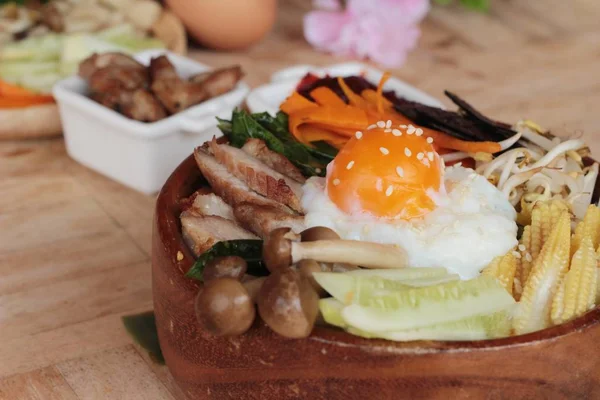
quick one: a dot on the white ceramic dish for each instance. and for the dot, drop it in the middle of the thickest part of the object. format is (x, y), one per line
(269, 97)
(138, 155)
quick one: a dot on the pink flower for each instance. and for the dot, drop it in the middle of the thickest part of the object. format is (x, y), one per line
(382, 30)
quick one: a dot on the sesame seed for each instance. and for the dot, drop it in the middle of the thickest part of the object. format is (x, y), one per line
(358, 134)
(384, 151)
(379, 185)
(419, 132)
(400, 172)
(381, 124)
(425, 162)
(388, 124)
(402, 126)
(396, 132)
(420, 156)
(407, 152)
(528, 257)
(411, 129)
(371, 127)
(336, 182)
(389, 191)
(350, 164)
(430, 155)
(429, 140)
(179, 256)
(387, 130)
(516, 254)
(522, 247)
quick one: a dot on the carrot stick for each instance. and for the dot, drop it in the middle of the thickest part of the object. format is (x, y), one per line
(326, 97)
(296, 102)
(354, 99)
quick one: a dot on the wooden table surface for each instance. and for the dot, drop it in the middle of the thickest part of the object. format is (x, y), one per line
(75, 246)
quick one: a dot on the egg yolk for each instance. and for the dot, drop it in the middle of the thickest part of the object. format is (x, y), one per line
(385, 172)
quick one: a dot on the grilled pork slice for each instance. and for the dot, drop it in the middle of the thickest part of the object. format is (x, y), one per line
(208, 204)
(259, 150)
(219, 81)
(112, 59)
(263, 219)
(174, 93)
(258, 176)
(201, 232)
(227, 186)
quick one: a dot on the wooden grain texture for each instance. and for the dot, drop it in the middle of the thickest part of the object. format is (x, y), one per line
(67, 233)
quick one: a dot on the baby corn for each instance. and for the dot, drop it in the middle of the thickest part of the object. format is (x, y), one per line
(548, 269)
(526, 261)
(589, 226)
(577, 292)
(503, 268)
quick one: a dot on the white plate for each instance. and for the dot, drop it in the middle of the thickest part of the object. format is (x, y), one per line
(269, 97)
(139, 155)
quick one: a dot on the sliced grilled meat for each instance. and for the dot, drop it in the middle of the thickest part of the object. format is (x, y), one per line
(263, 219)
(98, 61)
(174, 93)
(208, 204)
(107, 79)
(143, 107)
(259, 150)
(201, 232)
(258, 176)
(232, 190)
(219, 81)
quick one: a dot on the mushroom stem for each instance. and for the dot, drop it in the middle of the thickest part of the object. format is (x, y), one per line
(366, 254)
(253, 287)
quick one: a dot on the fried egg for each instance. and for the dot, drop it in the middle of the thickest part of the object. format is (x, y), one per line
(390, 186)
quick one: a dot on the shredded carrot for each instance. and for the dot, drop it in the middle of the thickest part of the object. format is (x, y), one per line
(442, 140)
(331, 120)
(296, 102)
(372, 98)
(312, 133)
(354, 99)
(326, 97)
(344, 117)
(22, 102)
(382, 82)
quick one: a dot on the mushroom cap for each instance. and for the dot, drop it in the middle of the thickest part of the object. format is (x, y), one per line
(288, 303)
(277, 249)
(318, 233)
(225, 267)
(224, 308)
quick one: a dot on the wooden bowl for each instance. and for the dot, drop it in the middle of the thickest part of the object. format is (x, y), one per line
(557, 363)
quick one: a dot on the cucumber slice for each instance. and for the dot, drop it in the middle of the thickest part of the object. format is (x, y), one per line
(351, 289)
(401, 274)
(431, 305)
(431, 281)
(479, 327)
(331, 309)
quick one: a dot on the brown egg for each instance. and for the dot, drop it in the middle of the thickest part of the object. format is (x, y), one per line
(226, 24)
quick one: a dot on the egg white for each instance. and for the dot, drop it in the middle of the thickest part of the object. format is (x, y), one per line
(472, 224)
